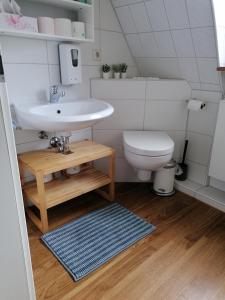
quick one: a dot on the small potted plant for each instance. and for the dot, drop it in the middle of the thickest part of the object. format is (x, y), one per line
(116, 71)
(106, 71)
(123, 70)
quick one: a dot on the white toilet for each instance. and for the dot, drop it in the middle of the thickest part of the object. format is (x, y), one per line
(147, 151)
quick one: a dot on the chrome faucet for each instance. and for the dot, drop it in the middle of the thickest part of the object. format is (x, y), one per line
(55, 95)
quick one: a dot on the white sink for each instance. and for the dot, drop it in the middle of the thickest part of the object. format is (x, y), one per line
(65, 116)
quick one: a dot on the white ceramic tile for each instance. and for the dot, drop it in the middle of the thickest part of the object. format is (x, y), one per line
(111, 138)
(199, 148)
(53, 52)
(210, 87)
(36, 145)
(212, 196)
(200, 13)
(18, 50)
(80, 135)
(87, 50)
(149, 46)
(204, 42)
(178, 138)
(119, 52)
(188, 187)
(189, 69)
(25, 136)
(118, 89)
(81, 90)
(177, 14)
(218, 184)
(204, 121)
(157, 14)
(132, 71)
(207, 70)
(126, 19)
(124, 118)
(124, 172)
(159, 67)
(165, 44)
(54, 75)
(214, 97)
(140, 17)
(97, 13)
(108, 19)
(197, 173)
(195, 85)
(178, 90)
(117, 3)
(165, 115)
(27, 83)
(134, 44)
(183, 43)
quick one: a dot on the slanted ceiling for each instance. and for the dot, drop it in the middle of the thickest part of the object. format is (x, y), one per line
(172, 38)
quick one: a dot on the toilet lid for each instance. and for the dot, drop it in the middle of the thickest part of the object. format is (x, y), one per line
(149, 143)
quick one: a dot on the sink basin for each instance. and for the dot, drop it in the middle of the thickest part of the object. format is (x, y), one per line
(66, 116)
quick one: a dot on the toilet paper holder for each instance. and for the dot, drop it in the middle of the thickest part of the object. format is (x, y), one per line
(202, 106)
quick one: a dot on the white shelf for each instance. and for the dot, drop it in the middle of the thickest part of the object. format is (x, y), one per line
(41, 36)
(84, 13)
(67, 4)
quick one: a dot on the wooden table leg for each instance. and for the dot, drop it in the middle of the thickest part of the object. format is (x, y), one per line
(112, 176)
(41, 194)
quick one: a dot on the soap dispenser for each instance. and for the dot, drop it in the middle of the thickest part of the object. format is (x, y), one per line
(70, 64)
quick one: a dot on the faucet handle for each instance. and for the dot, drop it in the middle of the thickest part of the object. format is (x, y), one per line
(54, 89)
(63, 93)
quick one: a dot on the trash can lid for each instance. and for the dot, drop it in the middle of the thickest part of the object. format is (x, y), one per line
(170, 165)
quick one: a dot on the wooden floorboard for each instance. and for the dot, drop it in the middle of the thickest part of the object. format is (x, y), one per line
(183, 259)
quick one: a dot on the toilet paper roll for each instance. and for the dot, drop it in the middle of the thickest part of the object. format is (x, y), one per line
(78, 30)
(195, 105)
(63, 27)
(46, 25)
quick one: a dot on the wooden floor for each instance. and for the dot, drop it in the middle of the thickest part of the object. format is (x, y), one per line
(183, 259)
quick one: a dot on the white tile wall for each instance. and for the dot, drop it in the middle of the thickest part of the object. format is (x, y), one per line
(157, 14)
(199, 148)
(181, 29)
(176, 20)
(161, 106)
(165, 108)
(128, 114)
(165, 115)
(201, 128)
(142, 24)
(31, 66)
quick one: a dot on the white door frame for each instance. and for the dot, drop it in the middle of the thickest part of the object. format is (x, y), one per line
(17, 190)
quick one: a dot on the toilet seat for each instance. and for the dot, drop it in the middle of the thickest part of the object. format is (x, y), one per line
(148, 143)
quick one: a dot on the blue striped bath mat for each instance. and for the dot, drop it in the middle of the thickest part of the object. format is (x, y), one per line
(87, 243)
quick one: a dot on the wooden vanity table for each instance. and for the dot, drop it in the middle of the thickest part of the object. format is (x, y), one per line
(46, 195)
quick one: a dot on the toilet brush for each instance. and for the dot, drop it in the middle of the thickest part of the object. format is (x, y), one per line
(182, 168)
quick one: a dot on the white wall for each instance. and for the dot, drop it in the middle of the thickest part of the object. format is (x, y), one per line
(200, 134)
(15, 264)
(172, 39)
(32, 66)
(141, 105)
(157, 105)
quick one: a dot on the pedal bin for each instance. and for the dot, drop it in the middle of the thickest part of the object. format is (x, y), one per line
(164, 180)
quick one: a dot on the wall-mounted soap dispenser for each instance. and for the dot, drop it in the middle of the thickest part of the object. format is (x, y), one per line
(70, 64)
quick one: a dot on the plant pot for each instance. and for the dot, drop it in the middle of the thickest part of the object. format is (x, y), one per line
(106, 75)
(124, 75)
(117, 75)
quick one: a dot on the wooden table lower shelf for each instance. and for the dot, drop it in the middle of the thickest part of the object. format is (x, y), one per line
(47, 195)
